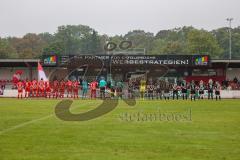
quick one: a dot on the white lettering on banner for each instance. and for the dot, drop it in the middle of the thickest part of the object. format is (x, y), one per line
(165, 62)
(170, 62)
(141, 60)
(156, 62)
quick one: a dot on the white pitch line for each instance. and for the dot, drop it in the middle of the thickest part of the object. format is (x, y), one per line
(32, 121)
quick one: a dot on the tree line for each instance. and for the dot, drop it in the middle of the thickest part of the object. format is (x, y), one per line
(82, 39)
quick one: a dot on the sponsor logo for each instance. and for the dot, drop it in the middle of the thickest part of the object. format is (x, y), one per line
(51, 60)
(201, 60)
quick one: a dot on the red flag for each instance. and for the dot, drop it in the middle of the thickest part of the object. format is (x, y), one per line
(16, 76)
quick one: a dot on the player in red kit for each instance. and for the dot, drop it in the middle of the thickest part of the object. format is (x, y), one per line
(75, 89)
(48, 89)
(93, 88)
(55, 88)
(34, 88)
(20, 88)
(62, 89)
(28, 86)
(41, 88)
(69, 88)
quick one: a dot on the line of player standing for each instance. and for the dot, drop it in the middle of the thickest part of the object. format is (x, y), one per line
(55, 89)
(158, 90)
(192, 90)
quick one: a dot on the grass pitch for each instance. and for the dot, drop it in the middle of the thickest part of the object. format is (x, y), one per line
(29, 130)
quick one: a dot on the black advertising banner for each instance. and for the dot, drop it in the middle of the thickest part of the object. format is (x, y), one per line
(66, 59)
(152, 60)
(170, 60)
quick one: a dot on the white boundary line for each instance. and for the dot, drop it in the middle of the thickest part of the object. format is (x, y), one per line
(33, 121)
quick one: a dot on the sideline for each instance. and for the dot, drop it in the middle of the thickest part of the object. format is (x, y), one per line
(36, 120)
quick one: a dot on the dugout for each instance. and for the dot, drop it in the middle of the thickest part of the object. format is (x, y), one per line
(130, 66)
(189, 67)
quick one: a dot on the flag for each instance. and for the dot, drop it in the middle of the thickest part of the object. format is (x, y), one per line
(41, 73)
(16, 76)
(19, 72)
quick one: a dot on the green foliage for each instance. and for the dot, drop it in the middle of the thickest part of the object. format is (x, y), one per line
(81, 39)
(186, 40)
(222, 35)
(203, 42)
(30, 46)
(78, 39)
(6, 51)
(116, 39)
(54, 48)
(140, 39)
(158, 46)
(236, 43)
(173, 47)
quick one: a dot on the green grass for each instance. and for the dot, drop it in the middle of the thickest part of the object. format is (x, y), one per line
(213, 133)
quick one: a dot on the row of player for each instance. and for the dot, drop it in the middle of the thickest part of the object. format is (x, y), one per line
(159, 89)
(54, 89)
(192, 89)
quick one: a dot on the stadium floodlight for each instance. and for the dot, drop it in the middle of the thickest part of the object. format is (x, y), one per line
(230, 37)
